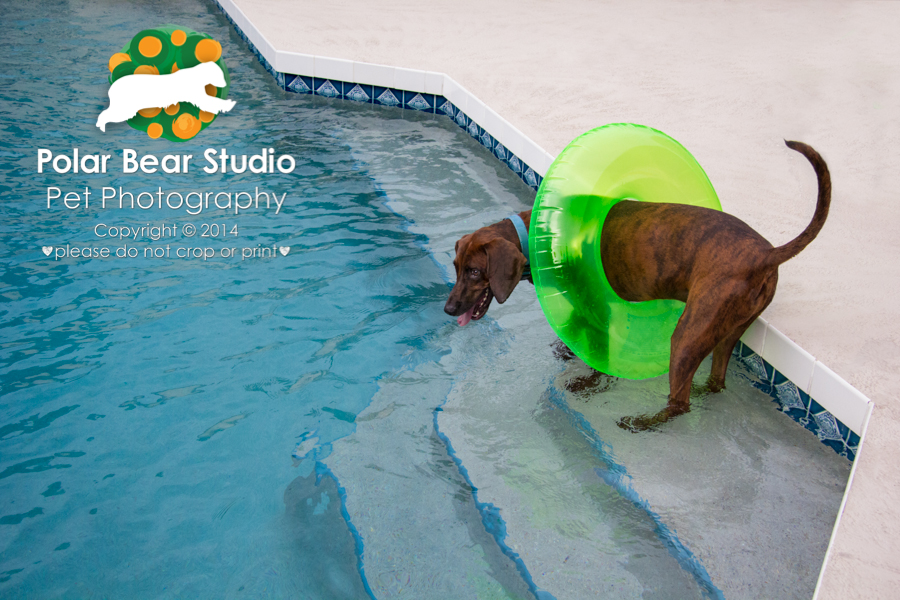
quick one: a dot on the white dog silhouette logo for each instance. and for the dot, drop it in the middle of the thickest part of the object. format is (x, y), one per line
(133, 93)
(169, 81)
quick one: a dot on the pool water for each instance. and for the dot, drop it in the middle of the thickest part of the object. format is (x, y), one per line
(313, 425)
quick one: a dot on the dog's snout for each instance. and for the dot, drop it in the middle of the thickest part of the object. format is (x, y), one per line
(452, 308)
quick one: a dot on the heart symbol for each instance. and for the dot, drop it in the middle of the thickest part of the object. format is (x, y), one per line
(47, 250)
(284, 250)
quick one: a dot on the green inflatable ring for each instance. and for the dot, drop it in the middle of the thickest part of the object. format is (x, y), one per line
(598, 169)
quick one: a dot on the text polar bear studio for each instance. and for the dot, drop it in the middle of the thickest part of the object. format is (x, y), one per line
(132, 93)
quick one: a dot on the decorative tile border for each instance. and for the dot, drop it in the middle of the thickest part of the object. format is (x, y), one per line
(805, 389)
(347, 80)
(802, 387)
(799, 405)
(412, 100)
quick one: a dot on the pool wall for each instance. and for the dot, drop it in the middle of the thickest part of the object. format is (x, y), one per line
(803, 387)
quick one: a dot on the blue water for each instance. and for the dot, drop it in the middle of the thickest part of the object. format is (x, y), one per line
(301, 426)
(150, 405)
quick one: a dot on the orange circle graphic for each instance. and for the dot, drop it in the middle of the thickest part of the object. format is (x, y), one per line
(208, 50)
(149, 46)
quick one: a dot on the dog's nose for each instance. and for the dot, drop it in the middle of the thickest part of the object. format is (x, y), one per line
(451, 308)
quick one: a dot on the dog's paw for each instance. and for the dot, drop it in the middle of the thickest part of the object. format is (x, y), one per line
(595, 383)
(648, 422)
(713, 387)
(698, 390)
(636, 424)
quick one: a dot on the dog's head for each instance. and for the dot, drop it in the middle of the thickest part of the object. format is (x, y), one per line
(487, 266)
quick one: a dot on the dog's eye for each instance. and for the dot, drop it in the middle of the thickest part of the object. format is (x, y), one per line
(474, 273)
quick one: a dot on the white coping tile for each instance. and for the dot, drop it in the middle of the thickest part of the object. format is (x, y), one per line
(517, 142)
(794, 362)
(236, 13)
(295, 63)
(333, 68)
(253, 34)
(495, 125)
(839, 398)
(267, 50)
(434, 83)
(410, 80)
(533, 155)
(372, 74)
(475, 108)
(240, 19)
(455, 93)
(755, 336)
(544, 166)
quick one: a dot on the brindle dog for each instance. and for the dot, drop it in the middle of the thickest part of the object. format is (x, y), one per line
(724, 272)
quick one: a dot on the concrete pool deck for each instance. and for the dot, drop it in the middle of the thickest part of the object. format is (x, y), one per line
(730, 82)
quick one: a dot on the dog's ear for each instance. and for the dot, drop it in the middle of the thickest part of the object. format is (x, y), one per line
(462, 243)
(505, 265)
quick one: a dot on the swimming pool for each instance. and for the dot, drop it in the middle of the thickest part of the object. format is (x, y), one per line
(313, 425)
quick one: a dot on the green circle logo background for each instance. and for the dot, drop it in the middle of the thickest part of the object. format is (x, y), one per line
(160, 51)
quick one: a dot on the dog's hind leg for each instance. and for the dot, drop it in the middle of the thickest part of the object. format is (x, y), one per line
(721, 356)
(696, 335)
(723, 350)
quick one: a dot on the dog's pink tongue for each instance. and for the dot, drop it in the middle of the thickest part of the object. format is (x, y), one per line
(464, 319)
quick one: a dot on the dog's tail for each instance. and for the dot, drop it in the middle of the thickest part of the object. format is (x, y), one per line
(795, 246)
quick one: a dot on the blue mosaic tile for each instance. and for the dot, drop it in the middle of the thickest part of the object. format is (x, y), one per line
(778, 378)
(788, 395)
(828, 426)
(473, 129)
(423, 102)
(852, 446)
(268, 67)
(447, 108)
(845, 433)
(836, 445)
(328, 89)
(810, 421)
(744, 349)
(300, 84)
(757, 366)
(279, 78)
(360, 93)
(515, 164)
(486, 140)
(461, 119)
(810, 424)
(531, 178)
(770, 371)
(387, 96)
(501, 152)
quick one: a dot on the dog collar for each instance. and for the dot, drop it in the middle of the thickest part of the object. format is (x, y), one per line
(522, 231)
